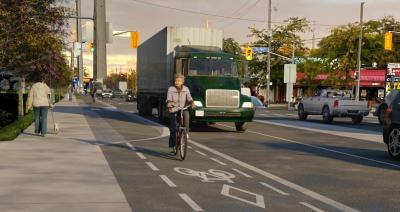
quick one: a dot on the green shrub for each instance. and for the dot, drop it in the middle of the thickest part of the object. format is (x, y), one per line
(5, 118)
(11, 131)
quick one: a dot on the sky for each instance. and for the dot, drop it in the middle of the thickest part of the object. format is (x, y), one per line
(150, 16)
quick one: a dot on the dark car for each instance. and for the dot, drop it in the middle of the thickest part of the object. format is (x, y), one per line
(383, 105)
(130, 97)
(117, 93)
(391, 126)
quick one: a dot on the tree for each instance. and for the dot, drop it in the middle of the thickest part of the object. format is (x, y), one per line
(339, 49)
(31, 40)
(231, 46)
(132, 79)
(284, 37)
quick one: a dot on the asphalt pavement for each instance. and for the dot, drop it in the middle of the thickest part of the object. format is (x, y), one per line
(279, 164)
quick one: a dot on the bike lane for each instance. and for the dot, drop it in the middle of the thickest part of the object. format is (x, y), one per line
(153, 179)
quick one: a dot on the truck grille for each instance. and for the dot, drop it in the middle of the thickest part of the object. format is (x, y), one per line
(222, 98)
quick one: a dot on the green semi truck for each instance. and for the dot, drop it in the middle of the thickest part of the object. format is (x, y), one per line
(210, 74)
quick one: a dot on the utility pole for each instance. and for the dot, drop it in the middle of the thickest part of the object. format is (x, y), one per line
(313, 36)
(100, 50)
(79, 39)
(269, 51)
(293, 48)
(359, 52)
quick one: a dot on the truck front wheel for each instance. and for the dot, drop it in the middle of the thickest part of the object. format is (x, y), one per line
(241, 126)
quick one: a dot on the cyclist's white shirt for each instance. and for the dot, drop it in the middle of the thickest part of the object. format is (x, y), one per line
(179, 99)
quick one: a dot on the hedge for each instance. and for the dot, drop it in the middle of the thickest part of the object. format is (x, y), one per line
(11, 131)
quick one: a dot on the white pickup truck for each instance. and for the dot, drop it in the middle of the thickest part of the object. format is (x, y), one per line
(333, 103)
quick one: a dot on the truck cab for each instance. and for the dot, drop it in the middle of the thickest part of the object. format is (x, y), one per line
(211, 75)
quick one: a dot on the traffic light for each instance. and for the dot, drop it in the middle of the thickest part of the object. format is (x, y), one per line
(134, 40)
(248, 53)
(91, 47)
(388, 41)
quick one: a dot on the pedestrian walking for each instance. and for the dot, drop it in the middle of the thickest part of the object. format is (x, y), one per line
(39, 98)
(70, 92)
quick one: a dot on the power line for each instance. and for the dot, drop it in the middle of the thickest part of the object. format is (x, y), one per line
(219, 16)
(202, 13)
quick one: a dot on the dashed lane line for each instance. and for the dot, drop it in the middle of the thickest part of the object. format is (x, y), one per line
(218, 161)
(152, 166)
(242, 173)
(280, 180)
(190, 147)
(285, 182)
(141, 156)
(312, 207)
(168, 181)
(131, 146)
(190, 202)
(274, 189)
(201, 153)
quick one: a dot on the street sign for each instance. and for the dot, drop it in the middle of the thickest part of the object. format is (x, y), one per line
(260, 50)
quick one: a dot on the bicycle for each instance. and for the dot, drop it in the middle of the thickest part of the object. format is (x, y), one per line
(181, 136)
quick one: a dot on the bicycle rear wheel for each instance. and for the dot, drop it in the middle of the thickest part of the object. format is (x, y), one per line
(183, 144)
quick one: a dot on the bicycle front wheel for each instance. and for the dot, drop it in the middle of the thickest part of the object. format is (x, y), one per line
(183, 144)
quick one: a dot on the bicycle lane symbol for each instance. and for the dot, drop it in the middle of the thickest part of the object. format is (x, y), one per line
(214, 175)
(210, 176)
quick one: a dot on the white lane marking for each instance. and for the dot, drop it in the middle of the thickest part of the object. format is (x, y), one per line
(312, 207)
(141, 156)
(152, 166)
(190, 147)
(190, 202)
(201, 153)
(274, 189)
(331, 130)
(167, 181)
(322, 148)
(326, 149)
(218, 161)
(130, 146)
(285, 182)
(259, 198)
(242, 173)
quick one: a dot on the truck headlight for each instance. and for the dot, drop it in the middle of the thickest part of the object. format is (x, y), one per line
(247, 105)
(198, 103)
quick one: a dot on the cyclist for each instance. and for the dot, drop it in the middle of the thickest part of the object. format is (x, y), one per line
(178, 96)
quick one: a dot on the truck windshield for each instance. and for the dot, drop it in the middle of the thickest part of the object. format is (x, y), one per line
(212, 67)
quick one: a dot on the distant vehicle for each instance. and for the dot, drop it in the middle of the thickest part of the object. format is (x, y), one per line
(257, 102)
(380, 109)
(106, 93)
(117, 93)
(333, 103)
(130, 97)
(391, 126)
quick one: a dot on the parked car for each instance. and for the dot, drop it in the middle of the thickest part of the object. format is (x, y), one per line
(333, 103)
(257, 102)
(130, 97)
(106, 93)
(117, 93)
(380, 109)
(391, 126)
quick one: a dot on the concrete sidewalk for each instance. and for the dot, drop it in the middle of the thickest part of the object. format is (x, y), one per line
(60, 172)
